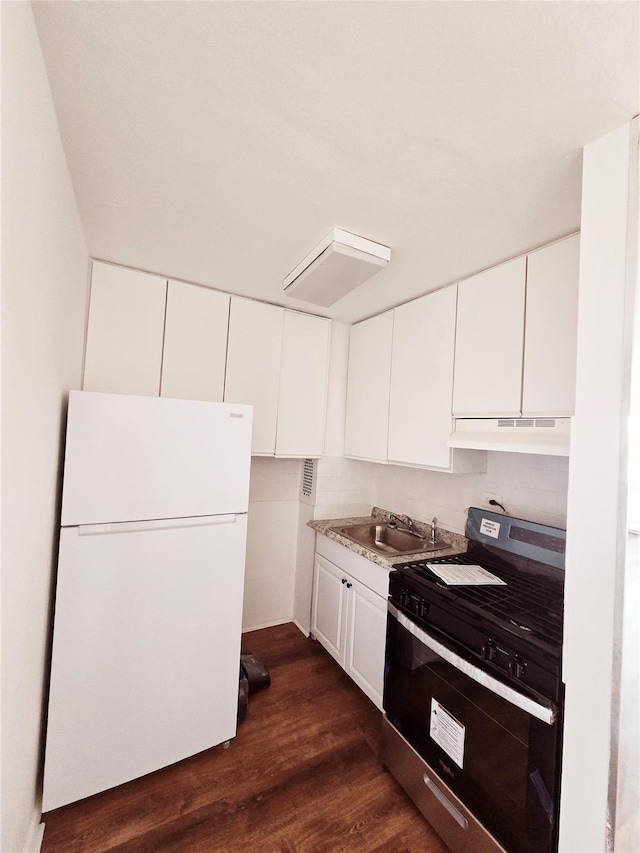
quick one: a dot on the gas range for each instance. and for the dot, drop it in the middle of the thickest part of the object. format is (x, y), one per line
(473, 693)
(513, 630)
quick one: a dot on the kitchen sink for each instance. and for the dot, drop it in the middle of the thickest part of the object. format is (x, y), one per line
(388, 540)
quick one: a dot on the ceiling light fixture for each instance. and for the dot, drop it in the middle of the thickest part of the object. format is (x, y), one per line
(337, 265)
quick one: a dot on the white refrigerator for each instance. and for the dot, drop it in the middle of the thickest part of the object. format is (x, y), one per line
(148, 609)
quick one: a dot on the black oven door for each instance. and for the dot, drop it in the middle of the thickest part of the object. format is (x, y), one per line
(498, 750)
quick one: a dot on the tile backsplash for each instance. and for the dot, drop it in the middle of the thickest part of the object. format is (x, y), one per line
(530, 486)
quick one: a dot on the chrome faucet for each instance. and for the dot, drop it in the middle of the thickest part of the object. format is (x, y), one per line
(403, 523)
(397, 521)
(433, 530)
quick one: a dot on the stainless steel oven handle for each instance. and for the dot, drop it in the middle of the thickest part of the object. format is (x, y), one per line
(542, 712)
(446, 802)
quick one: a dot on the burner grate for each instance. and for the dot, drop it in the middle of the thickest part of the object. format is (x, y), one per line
(530, 605)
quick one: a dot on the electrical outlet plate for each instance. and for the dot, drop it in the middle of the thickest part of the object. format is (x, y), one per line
(489, 496)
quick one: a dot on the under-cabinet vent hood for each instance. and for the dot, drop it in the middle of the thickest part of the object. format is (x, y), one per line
(548, 436)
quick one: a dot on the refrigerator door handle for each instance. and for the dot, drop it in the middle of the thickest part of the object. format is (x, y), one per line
(155, 524)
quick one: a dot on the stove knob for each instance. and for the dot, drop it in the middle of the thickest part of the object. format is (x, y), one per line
(517, 667)
(404, 598)
(488, 650)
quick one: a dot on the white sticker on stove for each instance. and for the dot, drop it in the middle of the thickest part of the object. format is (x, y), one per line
(447, 732)
(490, 528)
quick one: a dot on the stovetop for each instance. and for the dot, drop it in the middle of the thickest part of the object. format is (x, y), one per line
(514, 629)
(530, 605)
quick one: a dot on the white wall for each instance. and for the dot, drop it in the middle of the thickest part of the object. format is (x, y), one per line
(596, 534)
(271, 542)
(531, 487)
(44, 284)
(303, 590)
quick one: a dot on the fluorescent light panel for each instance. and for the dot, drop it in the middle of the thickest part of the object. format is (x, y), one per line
(338, 264)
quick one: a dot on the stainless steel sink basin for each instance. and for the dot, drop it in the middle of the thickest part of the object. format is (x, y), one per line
(388, 540)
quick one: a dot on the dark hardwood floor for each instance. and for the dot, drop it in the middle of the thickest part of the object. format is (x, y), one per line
(302, 776)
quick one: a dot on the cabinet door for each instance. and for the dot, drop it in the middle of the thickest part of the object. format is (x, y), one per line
(195, 343)
(365, 641)
(327, 613)
(422, 380)
(550, 339)
(489, 342)
(303, 385)
(124, 335)
(253, 366)
(367, 418)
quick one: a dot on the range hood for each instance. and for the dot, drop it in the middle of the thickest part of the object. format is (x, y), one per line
(547, 436)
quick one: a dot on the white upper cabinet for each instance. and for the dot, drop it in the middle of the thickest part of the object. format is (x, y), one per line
(420, 420)
(253, 366)
(516, 336)
(550, 338)
(302, 398)
(151, 337)
(125, 331)
(369, 374)
(489, 342)
(195, 343)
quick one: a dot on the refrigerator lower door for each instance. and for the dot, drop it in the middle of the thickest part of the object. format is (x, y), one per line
(146, 650)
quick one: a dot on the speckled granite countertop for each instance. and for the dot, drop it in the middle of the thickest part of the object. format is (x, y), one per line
(457, 543)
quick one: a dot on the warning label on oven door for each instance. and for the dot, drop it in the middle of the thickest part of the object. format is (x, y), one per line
(447, 732)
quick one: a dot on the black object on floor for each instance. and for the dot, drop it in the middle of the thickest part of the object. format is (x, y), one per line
(256, 673)
(243, 696)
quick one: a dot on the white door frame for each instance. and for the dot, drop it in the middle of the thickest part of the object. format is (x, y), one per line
(596, 511)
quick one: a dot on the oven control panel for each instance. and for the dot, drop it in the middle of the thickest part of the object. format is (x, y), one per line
(504, 659)
(414, 603)
(478, 623)
(499, 656)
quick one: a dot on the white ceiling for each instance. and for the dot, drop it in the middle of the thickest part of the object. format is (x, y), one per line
(218, 142)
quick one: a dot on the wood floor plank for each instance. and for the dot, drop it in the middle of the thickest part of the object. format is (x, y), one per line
(303, 775)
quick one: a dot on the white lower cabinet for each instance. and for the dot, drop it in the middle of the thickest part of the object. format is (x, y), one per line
(349, 614)
(365, 637)
(327, 617)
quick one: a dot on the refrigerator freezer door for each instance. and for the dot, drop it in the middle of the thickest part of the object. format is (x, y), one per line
(146, 650)
(132, 458)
